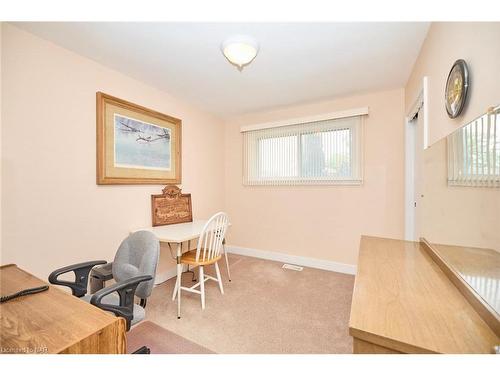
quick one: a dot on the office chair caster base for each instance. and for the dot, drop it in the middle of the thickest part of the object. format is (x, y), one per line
(142, 350)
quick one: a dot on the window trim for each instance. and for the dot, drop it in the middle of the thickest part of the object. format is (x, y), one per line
(303, 120)
(356, 151)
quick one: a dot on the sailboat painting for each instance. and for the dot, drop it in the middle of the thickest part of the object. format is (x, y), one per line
(141, 145)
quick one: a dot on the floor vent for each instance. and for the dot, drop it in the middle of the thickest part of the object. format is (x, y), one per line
(292, 267)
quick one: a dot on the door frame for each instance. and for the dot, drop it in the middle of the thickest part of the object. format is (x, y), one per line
(419, 105)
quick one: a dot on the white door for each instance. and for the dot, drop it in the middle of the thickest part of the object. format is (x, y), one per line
(416, 140)
(413, 183)
(418, 174)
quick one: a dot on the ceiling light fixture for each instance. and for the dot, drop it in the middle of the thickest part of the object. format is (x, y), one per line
(240, 50)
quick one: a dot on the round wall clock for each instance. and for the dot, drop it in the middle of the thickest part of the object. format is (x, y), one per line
(456, 88)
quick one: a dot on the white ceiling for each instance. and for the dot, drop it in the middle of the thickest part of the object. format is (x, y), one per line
(297, 62)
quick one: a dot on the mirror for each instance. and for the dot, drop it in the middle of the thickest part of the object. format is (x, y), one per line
(459, 208)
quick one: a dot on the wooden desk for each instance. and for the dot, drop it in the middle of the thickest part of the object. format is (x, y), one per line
(54, 321)
(404, 303)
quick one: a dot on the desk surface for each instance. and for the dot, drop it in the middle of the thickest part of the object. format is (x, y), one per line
(402, 300)
(177, 233)
(53, 321)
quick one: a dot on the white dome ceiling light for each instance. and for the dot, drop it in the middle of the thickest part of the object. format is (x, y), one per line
(240, 50)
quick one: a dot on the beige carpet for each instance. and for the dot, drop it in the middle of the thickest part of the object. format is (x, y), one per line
(265, 309)
(160, 340)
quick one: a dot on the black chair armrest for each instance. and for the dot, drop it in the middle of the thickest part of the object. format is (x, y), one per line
(81, 270)
(126, 291)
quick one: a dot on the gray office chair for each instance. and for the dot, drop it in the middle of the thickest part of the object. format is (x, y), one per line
(133, 269)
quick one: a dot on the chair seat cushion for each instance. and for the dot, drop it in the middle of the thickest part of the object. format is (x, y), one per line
(114, 299)
(190, 258)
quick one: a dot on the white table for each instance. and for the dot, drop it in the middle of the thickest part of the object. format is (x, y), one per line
(179, 233)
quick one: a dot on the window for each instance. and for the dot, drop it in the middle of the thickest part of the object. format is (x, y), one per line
(474, 152)
(319, 152)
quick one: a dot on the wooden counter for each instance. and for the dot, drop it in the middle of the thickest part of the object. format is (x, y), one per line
(404, 303)
(53, 321)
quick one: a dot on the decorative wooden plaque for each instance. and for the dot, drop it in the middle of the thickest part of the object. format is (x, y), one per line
(171, 207)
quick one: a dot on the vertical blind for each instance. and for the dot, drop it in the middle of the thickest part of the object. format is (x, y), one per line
(474, 152)
(320, 152)
(487, 287)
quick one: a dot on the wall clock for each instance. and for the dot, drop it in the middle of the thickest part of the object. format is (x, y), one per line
(456, 88)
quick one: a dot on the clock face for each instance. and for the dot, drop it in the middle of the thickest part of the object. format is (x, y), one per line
(456, 88)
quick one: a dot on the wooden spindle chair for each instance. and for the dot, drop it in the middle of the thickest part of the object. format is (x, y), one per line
(208, 251)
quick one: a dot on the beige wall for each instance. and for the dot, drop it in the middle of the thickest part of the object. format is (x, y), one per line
(54, 212)
(1, 156)
(457, 215)
(479, 45)
(323, 222)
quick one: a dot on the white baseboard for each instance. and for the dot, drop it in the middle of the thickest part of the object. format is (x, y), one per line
(321, 264)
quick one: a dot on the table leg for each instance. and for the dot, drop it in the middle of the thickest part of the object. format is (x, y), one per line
(187, 270)
(227, 261)
(179, 274)
(179, 289)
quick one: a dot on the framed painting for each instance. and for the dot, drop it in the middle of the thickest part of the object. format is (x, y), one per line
(136, 145)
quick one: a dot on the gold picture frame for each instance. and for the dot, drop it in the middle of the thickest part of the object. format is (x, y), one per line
(135, 144)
